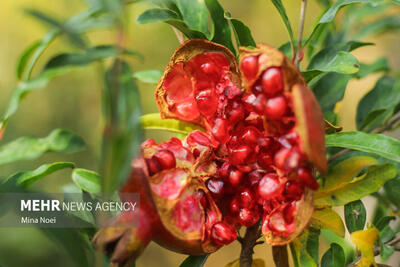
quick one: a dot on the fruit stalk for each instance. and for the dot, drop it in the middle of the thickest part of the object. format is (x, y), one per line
(249, 241)
(280, 256)
(300, 36)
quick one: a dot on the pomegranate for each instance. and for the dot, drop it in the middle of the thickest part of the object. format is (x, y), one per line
(256, 159)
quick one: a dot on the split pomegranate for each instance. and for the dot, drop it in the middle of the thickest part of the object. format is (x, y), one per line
(256, 159)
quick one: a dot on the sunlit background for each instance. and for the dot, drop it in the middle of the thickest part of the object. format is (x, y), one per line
(72, 101)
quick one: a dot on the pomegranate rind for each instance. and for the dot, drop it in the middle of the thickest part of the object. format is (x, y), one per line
(310, 125)
(183, 54)
(302, 215)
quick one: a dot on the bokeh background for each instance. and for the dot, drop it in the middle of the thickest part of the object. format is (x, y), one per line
(72, 101)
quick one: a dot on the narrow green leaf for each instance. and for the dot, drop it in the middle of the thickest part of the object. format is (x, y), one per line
(194, 261)
(156, 15)
(148, 76)
(379, 26)
(380, 65)
(383, 222)
(25, 148)
(379, 144)
(333, 257)
(222, 29)
(33, 52)
(327, 218)
(330, 89)
(90, 55)
(313, 243)
(195, 15)
(379, 104)
(386, 234)
(355, 216)
(242, 34)
(345, 171)
(282, 11)
(392, 189)
(330, 14)
(300, 253)
(27, 178)
(74, 37)
(122, 133)
(170, 17)
(154, 121)
(87, 180)
(374, 178)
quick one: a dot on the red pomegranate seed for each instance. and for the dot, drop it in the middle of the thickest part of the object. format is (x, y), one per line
(216, 186)
(223, 233)
(248, 217)
(234, 206)
(254, 177)
(235, 177)
(248, 101)
(249, 67)
(224, 170)
(165, 158)
(240, 155)
(236, 114)
(272, 80)
(246, 198)
(270, 187)
(277, 222)
(293, 190)
(306, 177)
(259, 105)
(207, 102)
(265, 160)
(153, 166)
(288, 159)
(220, 130)
(288, 212)
(209, 68)
(275, 108)
(203, 199)
(250, 135)
(187, 111)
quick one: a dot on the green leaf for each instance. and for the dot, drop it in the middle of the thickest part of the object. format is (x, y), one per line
(170, 17)
(383, 222)
(242, 34)
(374, 178)
(195, 15)
(330, 14)
(299, 252)
(386, 251)
(122, 133)
(327, 218)
(25, 148)
(330, 89)
(154, 121)
(88, 181)
(33, 52)
(333, 257)
(90, 55)
(379, 26)
(376, 107)
(148, 76)
(330, 237)
(331, 60)
(281, 9)
(379, 144)
(27, 178)
(157, 15)
(344, 171)
(74, 37)
(194, 261)
(381, 64)
(392, 189)
(313, 243)
(386, 234)
(222, 29)
(355, 216)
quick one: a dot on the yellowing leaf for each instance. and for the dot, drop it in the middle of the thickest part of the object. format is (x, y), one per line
(364, 241)
(329, 126)
(345, 171)
(256, 263)
(375, 177)
(328, 219)
(154, 121)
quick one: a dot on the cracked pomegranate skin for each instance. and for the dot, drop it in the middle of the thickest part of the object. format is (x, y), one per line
(256, 159)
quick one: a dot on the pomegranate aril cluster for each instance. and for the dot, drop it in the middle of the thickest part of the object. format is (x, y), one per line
(261, 170)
